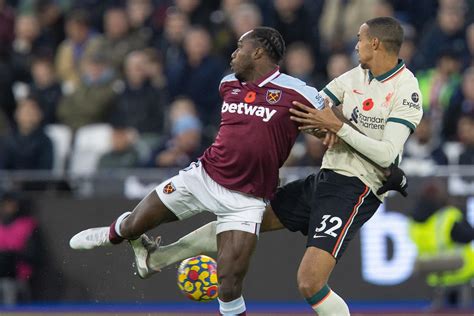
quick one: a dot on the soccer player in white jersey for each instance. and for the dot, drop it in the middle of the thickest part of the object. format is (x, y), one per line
(381, 99)
(236, 174)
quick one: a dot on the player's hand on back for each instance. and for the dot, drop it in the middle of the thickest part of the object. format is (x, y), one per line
(396, 181)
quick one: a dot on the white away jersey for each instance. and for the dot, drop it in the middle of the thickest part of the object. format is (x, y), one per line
(369, 103)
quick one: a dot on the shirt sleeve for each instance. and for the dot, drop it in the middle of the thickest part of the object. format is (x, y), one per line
(407, 109)
(311, 95)
(382, 152)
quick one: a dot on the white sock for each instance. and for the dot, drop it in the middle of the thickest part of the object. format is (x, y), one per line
(119, 221)
(200, 241)
(232, 308)
(327, 303)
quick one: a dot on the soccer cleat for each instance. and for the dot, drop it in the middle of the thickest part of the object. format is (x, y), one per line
(142, 247)
(91, 238)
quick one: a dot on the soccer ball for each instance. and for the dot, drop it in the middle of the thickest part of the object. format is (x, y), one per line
(197, 278)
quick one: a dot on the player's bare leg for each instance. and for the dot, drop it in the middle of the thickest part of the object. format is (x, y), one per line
(149, 213)
(313, 274)
(151, 257)
(270, 221)
(235, 249)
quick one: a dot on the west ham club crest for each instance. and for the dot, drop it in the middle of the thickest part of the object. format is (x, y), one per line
(273, 96)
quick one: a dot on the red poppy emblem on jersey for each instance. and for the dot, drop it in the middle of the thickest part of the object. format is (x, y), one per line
(250, 97)
(367, 105)
(169, 188)
(273, 96)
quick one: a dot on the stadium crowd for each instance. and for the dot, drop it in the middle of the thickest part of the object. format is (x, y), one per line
(100, 84)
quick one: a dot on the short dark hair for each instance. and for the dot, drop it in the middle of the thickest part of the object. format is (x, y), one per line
(388, 30)
(271, 40)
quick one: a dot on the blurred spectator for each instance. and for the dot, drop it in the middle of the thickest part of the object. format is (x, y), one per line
(415, 13)
(199, 76)
(299, 63)
(51, 19)
(438, 85)
(118, 39)
(184, 143)
(338, 63)
(24, 47)
(7, 22)
(45, 88)
(94, 97)
(81, 41)
(140, 13)
(442, 235)
(170, 43)
(123, 153)
(155, 71)
(446, 33)
(246, 17)
(424, 149)
(28, 147)
(96, 10)
(461, 103)
(20, 249)
(470, 43)
(140, 106)
(340, 21)
(408, 49)
(230, 22)
(466, 137)
(197, 11)
(293, 21)
(7, 101)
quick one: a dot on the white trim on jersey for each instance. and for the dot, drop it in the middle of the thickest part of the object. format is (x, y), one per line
(309, 93)
(227, 78)
(270, 78)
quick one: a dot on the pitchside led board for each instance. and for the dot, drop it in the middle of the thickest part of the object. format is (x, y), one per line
(377, 266)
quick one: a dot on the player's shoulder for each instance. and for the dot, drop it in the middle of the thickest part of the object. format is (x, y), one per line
(406, 80)
(291, 83)
(299, 87)
(228, 79)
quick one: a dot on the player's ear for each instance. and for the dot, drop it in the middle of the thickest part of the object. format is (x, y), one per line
(376, 43)
(258, 53)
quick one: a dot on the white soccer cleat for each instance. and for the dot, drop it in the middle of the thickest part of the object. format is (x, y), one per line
(142, 247)
(91, 238)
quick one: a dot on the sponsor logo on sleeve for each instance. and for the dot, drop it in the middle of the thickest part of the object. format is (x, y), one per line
(273, 96)
(413, 103)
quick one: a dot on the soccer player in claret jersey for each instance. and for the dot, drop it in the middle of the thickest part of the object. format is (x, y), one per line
(381, 100)
(236, 174)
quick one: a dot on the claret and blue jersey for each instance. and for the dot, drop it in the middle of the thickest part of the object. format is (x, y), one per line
(256, 134)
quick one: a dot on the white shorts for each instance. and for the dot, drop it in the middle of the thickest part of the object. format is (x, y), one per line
(192, 191)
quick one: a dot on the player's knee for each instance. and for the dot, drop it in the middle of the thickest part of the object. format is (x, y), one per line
(308, 286)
